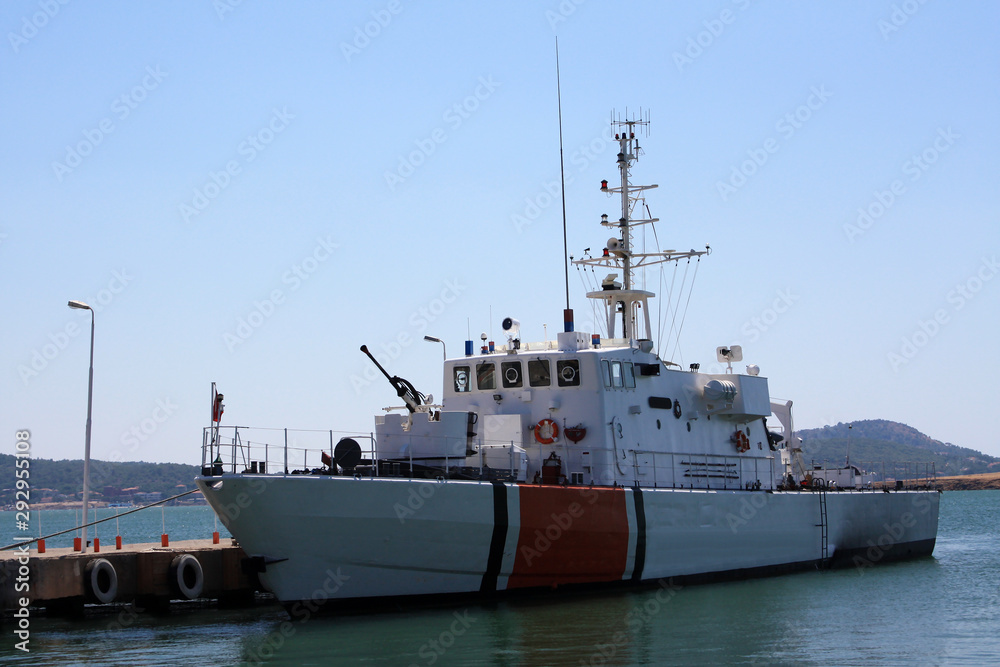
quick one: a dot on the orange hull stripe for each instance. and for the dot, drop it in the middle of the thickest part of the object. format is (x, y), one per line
(570, 535)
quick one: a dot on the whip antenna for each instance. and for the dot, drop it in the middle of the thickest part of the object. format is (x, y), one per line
(568, 312)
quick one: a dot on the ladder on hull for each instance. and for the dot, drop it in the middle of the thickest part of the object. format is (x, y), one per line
(823, 525)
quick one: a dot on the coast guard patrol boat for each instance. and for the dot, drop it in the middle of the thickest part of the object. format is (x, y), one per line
(582, 461)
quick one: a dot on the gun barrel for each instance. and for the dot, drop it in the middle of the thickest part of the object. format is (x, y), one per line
(364, 348)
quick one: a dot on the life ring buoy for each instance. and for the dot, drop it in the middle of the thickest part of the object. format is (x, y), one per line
(546, 431)
(187, 579)
(101, 581)
(741, 441)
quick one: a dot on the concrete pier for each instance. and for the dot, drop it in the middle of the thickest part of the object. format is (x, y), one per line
(63, 580)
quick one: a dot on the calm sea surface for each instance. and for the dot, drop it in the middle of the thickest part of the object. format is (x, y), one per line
(943, 610)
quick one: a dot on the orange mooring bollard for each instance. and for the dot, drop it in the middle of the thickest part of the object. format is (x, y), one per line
(118, 541)
(77, 544)
(97, 545)
(164, 541)
(215, 537)
(41, 546)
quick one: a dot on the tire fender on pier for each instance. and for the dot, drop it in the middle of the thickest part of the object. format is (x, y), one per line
(101, 581)
(187, 579)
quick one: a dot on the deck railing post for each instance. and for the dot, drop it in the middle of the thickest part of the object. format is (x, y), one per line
(286, 451)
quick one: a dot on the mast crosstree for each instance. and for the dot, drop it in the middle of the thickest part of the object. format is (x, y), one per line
(622, 298)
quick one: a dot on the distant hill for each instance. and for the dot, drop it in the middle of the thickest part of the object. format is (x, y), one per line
(877, 440)
(65, 477)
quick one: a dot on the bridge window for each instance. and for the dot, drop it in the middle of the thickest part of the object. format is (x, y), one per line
(461, 377)
(616, 375)
(568, 372)
(606, 371)
(629, 374)
(486, 376)
(511, 373)
(538, 373)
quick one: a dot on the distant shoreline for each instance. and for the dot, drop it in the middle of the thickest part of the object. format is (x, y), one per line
(978, 482)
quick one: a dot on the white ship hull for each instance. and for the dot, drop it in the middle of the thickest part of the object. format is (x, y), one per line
(320, 538)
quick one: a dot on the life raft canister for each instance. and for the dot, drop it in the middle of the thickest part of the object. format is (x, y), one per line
(546, 431)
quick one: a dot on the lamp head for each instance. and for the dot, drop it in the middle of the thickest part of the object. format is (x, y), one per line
(79, 304)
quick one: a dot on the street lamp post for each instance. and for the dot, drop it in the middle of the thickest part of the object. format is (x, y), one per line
(432, 339)
(90, 405)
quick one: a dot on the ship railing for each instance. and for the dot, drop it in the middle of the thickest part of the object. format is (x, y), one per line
(699, 470)
(543, 346)
(254, 450)
(246, 449)
(881, 474)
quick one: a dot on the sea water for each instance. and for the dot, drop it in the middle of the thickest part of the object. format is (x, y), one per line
(191, 522)
(939, 610)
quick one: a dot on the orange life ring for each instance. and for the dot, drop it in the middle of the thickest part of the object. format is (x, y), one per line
(741, 441)
(546, 431)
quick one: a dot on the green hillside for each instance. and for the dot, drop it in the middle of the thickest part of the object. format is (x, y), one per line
(65, 477)
(873, 441)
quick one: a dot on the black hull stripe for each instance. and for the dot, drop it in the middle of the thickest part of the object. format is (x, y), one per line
(640, 534)
(500, 523)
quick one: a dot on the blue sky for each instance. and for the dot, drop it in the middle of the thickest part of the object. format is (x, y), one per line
(250, 191)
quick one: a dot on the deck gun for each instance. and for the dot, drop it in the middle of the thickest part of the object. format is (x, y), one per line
(404, 389)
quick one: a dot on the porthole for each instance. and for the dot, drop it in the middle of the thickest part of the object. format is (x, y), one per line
(657, 424)
(689, 427)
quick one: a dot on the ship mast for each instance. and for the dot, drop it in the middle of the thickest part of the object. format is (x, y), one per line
(623, 297)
